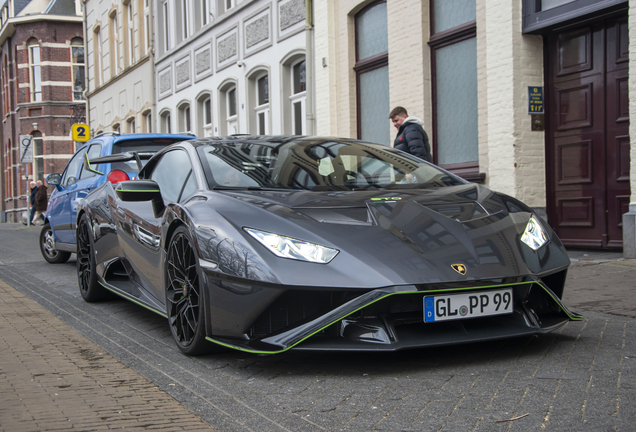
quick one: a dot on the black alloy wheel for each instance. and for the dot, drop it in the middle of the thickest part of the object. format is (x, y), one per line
(90, 289)
(184, 295)
(47, 248)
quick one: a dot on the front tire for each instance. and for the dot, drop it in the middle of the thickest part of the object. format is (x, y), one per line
(49, 253)
(90, 289)
(185, 295)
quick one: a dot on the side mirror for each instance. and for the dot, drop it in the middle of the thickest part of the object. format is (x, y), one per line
(54, 179)
(139, 191)
(87, 166)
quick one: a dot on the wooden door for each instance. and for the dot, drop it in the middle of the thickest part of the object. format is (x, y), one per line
(587, 135)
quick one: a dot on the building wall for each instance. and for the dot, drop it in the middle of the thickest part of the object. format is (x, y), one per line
(126, 91)
(237, 44)
(50, 117)
(516, 154)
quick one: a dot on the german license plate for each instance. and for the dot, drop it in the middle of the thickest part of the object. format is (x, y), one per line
(460, 306)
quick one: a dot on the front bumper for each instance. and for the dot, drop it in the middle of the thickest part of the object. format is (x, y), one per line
(391, 318)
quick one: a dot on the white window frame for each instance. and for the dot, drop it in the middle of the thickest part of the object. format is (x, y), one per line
(131, 32)
(165, 18)
(73, 66)
(295, 98)
(185, 118)
(35, 72)
(98, 60)
(205, 12)
(146, 26)
(207, 114)
(231, 120)
(165, 122)
(114, 33)
(185, 18)
(262, 111)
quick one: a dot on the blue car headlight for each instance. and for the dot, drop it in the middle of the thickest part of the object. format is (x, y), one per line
(534, 234)
(287, 247)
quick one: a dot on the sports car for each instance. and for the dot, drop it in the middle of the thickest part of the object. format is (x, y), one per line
(264, 244)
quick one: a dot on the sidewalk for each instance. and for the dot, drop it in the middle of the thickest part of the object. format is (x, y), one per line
(601, 281)
(54, 379)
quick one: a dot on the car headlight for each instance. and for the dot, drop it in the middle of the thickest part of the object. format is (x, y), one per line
(287, 247)
(534, 235)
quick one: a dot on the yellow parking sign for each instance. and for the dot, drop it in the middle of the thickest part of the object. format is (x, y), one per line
(81, 132)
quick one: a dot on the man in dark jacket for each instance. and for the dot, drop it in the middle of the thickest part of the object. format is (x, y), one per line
(411, 137)
(41, 201)
(34, 187)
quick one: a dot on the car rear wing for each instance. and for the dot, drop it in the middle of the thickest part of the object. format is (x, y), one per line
(119, 157)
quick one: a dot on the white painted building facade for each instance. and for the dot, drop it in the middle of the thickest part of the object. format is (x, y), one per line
(119, 46)
(231, 66)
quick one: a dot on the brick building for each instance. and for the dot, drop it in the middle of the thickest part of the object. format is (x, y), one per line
(42, 76)
(467, 67)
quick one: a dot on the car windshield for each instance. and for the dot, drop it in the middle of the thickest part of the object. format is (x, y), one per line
(317, 165)
(145, 148)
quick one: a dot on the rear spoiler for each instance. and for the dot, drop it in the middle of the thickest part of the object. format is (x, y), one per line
(119, 157)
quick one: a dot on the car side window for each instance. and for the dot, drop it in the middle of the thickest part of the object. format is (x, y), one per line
(171, 174)
(73, 168)
(93, 152)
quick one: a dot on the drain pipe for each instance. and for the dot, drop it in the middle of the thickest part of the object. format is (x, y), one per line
(309, 70)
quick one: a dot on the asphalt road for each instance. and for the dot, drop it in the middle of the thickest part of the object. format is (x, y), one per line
(580, 378)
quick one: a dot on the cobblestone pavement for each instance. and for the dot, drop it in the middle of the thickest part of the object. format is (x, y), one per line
(53, 378)
(580, 378)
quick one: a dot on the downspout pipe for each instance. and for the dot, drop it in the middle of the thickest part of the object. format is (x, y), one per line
(309, 59)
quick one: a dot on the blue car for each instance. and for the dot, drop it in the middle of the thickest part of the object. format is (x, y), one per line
(57, 238)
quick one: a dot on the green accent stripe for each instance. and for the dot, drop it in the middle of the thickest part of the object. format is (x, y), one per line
(382, 298)
(127, 297)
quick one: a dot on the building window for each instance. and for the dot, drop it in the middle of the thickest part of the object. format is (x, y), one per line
(97, 57)
(147, 125)
(113, 36)
(454, 62)
(5, 86)
(205, 11)
(130, 33)
(184, 12)
(78, 68)
(204, 116)
(185, 124)
(166, 122)
(372, 73)
(131, 125)
(228, 109)
(145, 25)
(36, 73)
(297, 99)
(225, 5)
(165, 22)
(201, 15)
(259, 103)
(38, 156)
(116, 127)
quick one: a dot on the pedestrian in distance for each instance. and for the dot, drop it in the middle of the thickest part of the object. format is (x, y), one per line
(411, 136)
(33, 188)
(40, 202)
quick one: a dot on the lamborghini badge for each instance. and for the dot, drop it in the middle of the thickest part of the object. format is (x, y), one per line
(459, 268)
